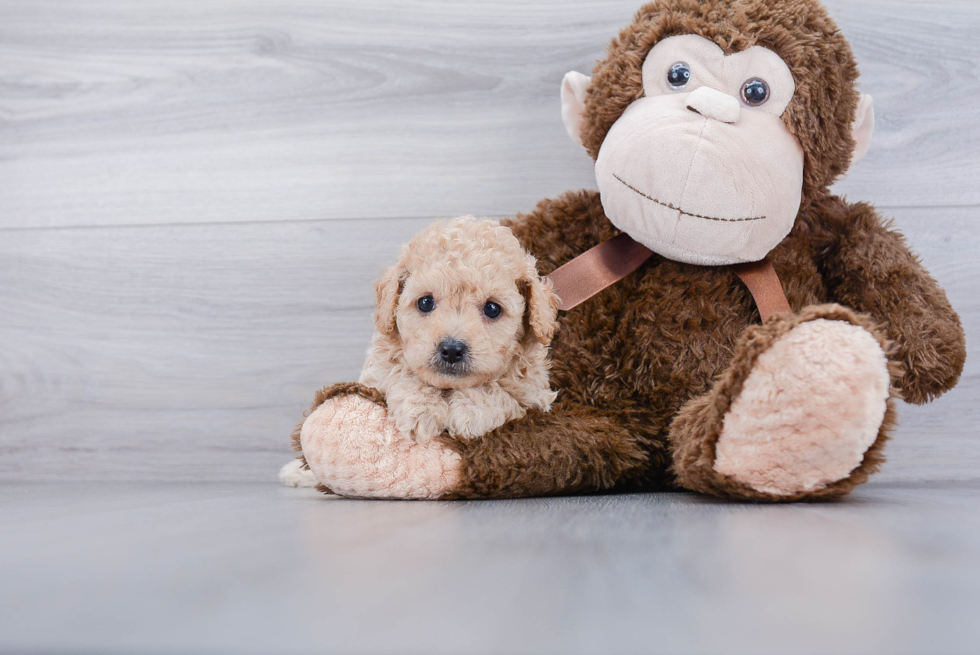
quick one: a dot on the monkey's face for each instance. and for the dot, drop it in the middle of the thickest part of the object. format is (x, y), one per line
(702, 169)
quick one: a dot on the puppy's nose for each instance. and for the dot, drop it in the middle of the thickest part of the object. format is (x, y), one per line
(452, 351)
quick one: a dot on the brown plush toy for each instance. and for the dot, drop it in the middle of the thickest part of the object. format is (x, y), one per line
(717, 127)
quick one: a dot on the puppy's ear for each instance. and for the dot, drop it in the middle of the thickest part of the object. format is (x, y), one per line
(541, 304)
(388, 289)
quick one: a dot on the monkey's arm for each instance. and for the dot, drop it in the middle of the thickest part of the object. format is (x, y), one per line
(568, 450)
(355, 449)
(870, 268)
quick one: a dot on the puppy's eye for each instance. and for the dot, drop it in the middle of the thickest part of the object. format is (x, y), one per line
(426, 304)
(679, 75)
(492, 309)
(755, 92)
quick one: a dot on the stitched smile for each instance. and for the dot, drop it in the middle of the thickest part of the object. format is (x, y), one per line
(684, 213)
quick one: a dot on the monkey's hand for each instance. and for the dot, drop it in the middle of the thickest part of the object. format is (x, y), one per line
(355, 449)
(871, 269)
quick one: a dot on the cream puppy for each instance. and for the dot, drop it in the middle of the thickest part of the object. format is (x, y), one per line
(463, 326)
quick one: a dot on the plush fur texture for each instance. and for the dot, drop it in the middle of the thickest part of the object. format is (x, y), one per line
(799, 31)
(460, 266)
(649, 369)
(297, 474)
(809, 410)
(334, 392)
(369, 457)
(807, 458)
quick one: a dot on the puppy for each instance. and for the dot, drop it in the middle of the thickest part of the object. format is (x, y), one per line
(463, 324)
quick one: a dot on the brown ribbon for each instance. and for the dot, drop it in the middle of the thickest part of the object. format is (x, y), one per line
(612, 260)
(763, 283)
(597, 269)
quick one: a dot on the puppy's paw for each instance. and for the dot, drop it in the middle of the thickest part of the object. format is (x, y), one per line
(423, 417)
(477, 411)
(417, 409)
(429, 426)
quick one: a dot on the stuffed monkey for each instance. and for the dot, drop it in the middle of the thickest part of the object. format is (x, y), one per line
(717, 127)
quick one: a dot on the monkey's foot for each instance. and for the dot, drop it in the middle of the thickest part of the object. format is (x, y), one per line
(354, 449)
(802, 412)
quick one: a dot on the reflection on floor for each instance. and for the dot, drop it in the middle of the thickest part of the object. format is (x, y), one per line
(245, 568)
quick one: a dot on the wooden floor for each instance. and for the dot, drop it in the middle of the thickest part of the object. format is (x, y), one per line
(255, 568)
(195, 198)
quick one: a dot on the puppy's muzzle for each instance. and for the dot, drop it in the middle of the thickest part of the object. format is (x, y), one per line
(452, 357)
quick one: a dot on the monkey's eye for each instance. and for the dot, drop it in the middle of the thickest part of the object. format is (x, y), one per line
(491, 309)
(426, 304)
(755, 92)
(679, 75)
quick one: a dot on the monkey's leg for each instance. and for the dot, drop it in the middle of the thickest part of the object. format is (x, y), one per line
(355, 450)
(802, 412)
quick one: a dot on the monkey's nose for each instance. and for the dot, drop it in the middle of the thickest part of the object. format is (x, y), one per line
(714, 104)
(452, 351)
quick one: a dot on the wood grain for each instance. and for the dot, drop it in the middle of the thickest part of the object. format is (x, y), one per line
(254, 569)
(195, 197)
(195, 111)
(188, 352)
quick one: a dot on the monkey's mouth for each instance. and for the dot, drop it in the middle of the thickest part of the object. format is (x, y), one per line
(681, 211)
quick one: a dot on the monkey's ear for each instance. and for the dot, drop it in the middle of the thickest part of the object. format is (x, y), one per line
(388, 289)
(862, 129)
(573, 89)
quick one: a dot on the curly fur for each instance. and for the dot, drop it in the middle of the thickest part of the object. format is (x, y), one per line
(462, 265)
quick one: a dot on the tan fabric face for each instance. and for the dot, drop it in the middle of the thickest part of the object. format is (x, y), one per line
(710, 67)
(692, 178)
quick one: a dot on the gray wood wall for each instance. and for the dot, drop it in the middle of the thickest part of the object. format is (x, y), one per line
(196, 195)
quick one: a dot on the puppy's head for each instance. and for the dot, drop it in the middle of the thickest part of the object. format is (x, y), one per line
(464, 300)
